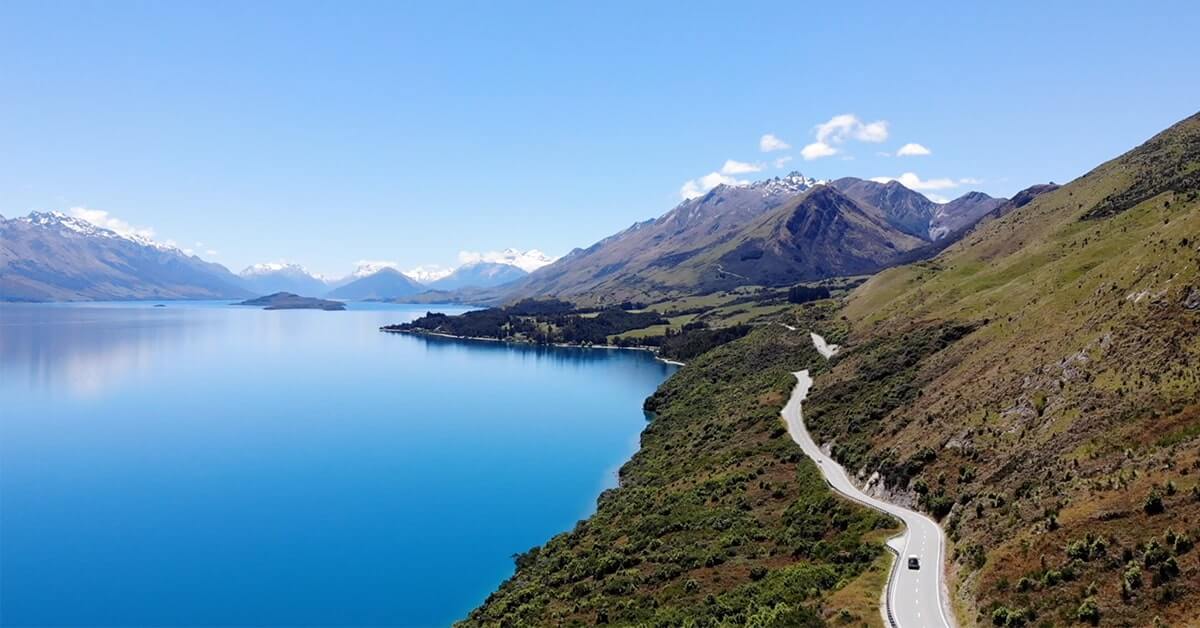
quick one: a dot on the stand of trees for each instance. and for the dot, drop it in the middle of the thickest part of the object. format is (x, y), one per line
(543, 321)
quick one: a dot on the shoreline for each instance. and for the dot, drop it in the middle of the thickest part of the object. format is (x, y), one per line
(564, 345)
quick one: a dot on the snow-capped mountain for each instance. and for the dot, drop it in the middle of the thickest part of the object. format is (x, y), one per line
(272, 277)
(367, 268)
(386, 283)
(527, 261)
(429, 273)
(479, 275)
(50, 256)
(792, 184)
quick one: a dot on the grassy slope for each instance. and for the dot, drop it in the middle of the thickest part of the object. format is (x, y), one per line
(1073, 400)
(719, 517)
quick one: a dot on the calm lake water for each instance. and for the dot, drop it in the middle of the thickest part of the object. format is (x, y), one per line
(202, 464)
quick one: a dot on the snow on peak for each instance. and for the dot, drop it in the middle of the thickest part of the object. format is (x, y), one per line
(426, 273)
(268, 268)
(81, 225)
(527, 261)
(366, 268)
(793, 183)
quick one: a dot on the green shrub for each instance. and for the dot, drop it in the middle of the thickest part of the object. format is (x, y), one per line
(1088, 611)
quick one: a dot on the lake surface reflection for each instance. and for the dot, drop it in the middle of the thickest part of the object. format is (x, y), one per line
(201, 464)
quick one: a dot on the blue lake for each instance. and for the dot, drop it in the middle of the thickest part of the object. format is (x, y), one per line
(202, 464)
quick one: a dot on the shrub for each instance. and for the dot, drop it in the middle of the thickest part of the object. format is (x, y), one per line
(1088, 611)
(1154, 503)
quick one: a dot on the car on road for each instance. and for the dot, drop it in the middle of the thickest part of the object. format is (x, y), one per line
(914, 562)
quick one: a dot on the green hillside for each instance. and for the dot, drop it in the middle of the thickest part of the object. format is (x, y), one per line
(1066, 416)
(719, 520)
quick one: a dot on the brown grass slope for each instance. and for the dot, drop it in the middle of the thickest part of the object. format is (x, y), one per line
(1036, 385)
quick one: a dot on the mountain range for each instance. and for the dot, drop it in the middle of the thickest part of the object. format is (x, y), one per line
(777, 231)
(773, 232)
(51, 256)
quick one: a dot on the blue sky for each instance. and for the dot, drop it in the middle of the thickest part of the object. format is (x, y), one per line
(327, 133)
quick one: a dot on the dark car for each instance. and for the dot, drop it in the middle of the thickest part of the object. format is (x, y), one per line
(914, 562)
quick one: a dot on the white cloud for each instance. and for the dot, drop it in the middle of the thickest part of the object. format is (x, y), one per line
(838, 130)
(970, 181)
(769, 143)
(937, 198)
(817, 150)
(782, 161)
(426, 273)
(912, 150)
(847, 126)
(212, 253)
(739, 167)
(101, 218)
(911, 181)
(700, 186)
(875, 132)
(363, 267)
(527, 261)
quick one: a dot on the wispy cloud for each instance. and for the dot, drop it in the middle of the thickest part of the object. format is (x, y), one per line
(913, 150)
(739, 167)
(101, 218)
(911, 181)
(782, 161)
(701, 185)
(527, 261)
(769, 143)
(426, 273)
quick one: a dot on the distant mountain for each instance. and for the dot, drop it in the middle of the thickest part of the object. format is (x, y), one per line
(642, 258)
(385, 283)
(915, 214)
(275, 277)
(479, 275)
(823, 233)
(527, 261)
(960, 213)
(54, 257)
(903, 208)
(778, 231)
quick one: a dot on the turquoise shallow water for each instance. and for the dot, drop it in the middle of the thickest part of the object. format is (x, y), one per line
(202, 464)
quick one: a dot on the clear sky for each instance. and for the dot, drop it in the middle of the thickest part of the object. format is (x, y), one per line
(326, 133)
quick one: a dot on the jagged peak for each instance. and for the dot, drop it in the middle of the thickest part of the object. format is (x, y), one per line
(85, 228)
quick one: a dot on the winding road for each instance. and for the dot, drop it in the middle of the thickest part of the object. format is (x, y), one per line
(916, 598)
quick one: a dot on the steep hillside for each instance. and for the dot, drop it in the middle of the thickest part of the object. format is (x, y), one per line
(1037, 386)
(54, 257)
(719, 519)
(823, 233)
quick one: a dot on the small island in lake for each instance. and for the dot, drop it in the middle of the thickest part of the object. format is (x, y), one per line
(289, 301)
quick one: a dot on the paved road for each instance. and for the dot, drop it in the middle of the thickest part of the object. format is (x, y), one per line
(915, 597)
